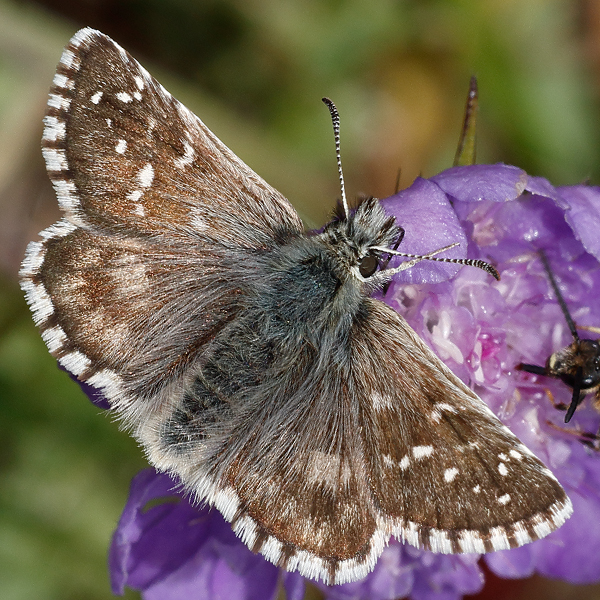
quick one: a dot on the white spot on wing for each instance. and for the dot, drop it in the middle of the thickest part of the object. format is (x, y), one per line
(134, 196)
(124, 97)
(121, 146)
(59, 102)
(83, 35)
(60, 229)
(381, 402)
(422, 451)
(54, 130)
(54, 337)
(75, 362)
(498, 538)
(198, 222)
(450, 474)
(504, 499)
(34, 258)
(541, 526)
(69, 59)
(439, 541)
(404, 462)
(328, 469)
(471, 542)
(62, 81)
(410, 534)
(516, 455)
(227, 501)
(38, 299)
(146, 175)
(56, 159)
(245, 528)
(66, 193)
(271, 549)
(96, 97)
(187, 158)
(107, 381)
(521, 534)
(502, 469)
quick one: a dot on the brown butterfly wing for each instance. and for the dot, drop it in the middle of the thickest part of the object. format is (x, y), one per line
(123, 154)
(386, 441)
(444, 472)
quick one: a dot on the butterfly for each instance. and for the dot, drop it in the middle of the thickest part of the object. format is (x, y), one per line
(248, 357)
(577, 365)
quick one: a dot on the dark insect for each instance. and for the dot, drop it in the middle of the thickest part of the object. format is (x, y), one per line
(577, 365)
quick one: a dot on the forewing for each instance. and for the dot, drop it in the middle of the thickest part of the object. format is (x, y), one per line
(123, 154)
(445, 474)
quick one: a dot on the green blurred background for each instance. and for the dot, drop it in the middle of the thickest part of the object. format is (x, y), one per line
(255, 72)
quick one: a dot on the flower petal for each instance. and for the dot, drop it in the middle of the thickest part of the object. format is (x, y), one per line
(169, 548)
(584, 216)
(430, 223)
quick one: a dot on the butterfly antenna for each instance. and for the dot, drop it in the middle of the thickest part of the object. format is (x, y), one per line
(559, 297)
(472, 262)
(335, 118)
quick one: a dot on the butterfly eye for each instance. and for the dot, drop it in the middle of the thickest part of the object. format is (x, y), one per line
(368, 265)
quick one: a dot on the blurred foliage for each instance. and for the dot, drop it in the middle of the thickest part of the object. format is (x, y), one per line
(399, 72)
(64, 471)
(397, 69)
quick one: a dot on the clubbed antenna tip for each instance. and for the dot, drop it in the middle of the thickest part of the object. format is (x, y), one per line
(486, 267)
(335, 117)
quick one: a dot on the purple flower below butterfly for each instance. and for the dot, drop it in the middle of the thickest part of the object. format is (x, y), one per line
(171, 549)
(482, 330)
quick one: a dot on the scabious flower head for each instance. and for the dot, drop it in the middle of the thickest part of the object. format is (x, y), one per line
(482, 329)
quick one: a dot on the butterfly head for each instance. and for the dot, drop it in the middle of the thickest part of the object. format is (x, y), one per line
(358, 238)
(365, 237)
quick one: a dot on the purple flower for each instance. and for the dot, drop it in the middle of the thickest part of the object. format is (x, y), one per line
(171, 549)
(481, 329)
